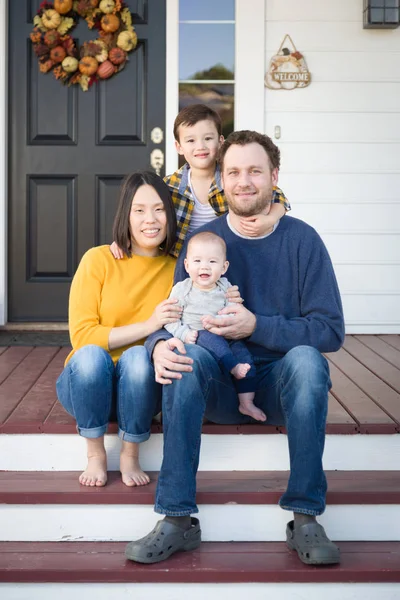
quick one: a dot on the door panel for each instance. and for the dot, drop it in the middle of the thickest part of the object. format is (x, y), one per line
(69, 151)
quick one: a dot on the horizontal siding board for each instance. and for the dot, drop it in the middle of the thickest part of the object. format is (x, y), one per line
(363, 308)
(330, 35)
(368, 278)
(323, 10)
(341, 187)
(340, 158)
(375, 97)
(358, 247)
(349, 217)
(334, 127)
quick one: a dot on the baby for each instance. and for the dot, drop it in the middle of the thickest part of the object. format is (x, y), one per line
(204, 293)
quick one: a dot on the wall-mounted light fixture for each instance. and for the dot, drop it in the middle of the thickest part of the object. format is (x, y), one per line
(381, 14)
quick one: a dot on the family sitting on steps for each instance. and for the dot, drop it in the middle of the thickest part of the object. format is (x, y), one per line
(230, 353)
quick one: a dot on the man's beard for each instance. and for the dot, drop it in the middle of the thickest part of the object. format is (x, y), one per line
(252, 207)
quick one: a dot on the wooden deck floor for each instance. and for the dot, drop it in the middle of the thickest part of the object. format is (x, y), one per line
(365, 397)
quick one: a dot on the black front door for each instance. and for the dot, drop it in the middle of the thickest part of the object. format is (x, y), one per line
(69, 151)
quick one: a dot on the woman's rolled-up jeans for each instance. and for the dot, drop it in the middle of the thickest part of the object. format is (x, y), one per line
(91, 387)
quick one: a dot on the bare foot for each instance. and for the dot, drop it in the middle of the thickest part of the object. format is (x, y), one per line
(96, 471)
(129, 466)
(241, 370)
(248, 408)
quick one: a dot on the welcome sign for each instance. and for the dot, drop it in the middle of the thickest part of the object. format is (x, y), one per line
(287, 69)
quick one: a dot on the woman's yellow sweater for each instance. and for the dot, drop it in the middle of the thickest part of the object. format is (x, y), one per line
(107, 293)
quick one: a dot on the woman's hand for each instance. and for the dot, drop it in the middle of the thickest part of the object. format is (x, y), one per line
(233, 294)
(167, 364)
(168, 311)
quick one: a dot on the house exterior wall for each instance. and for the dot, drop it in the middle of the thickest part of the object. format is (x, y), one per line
(340, 138)
(340, 144)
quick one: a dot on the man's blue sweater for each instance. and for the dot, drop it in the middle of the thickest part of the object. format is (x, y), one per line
(287, 280)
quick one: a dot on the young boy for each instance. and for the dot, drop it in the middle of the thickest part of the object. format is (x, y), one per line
(196, 187)
(204, 293)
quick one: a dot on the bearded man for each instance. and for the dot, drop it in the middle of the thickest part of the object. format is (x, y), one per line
(292, 312)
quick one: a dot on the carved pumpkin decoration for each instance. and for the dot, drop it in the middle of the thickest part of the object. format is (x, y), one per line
(70, 64)
(51, 19)
(51, 38)
(105, 70)
(117, 56)
(88, 65)
(107, 6)
(110, 23)
(58, 54)
(63, 6)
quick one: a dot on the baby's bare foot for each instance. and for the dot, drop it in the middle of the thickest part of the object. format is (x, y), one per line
(131, 472)
(96, 471)
(240, 370)
(248, 408)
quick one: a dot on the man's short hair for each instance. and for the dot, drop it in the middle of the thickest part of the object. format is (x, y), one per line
(245, 137)
(205, 237)
(194, 113)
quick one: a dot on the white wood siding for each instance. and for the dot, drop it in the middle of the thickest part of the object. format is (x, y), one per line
(340, 144)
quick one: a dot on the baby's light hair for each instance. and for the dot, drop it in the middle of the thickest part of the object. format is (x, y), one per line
(206, 237)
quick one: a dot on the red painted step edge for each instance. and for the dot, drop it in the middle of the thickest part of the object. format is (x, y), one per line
(213, 487)
(232, 562)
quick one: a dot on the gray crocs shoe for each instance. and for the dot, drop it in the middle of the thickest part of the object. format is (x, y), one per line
(312, 544)
(165, 539)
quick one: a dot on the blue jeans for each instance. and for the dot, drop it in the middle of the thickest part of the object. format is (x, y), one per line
(292, 391)
(229, 353)
(90, 388)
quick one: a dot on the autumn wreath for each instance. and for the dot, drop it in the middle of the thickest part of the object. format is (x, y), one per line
(100, 59)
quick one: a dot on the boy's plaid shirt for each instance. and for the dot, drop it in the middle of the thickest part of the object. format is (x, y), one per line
(183, 200)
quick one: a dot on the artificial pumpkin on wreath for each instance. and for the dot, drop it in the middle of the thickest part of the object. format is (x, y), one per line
(57, 51)
(63, 6)
(51, 19)
(106, 69)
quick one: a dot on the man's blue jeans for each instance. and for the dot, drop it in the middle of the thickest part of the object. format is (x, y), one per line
(292, 391)
(91, 387)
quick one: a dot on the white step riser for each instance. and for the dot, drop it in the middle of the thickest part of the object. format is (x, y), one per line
(219, 523)
(196, 591)
(43, 452)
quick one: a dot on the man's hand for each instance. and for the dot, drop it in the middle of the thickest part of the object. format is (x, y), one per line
(167, 364)
(238, 324)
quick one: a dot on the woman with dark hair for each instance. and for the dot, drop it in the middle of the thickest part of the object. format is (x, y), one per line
(114, 305)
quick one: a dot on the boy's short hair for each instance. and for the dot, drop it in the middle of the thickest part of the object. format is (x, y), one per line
(194, 113)
(245, 137)
(206, 237)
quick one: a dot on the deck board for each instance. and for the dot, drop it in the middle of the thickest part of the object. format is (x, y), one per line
(365, 395)
(372, 361)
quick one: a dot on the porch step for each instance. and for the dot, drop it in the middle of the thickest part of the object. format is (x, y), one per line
(233, 506)
(362, 562)
(224, 450)
(223, 487)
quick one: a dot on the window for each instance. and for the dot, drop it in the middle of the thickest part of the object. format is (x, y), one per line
(207, 57)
